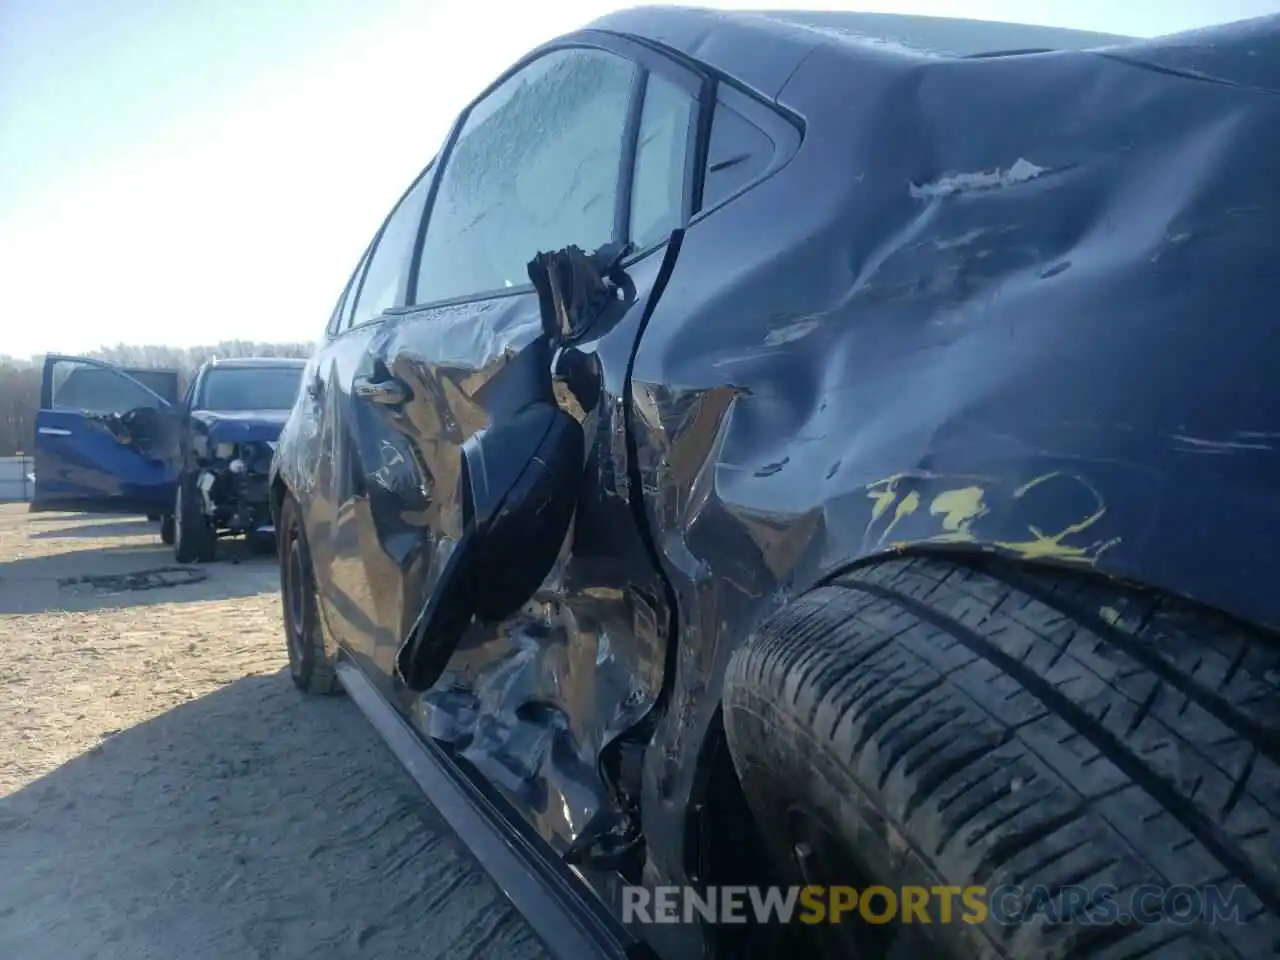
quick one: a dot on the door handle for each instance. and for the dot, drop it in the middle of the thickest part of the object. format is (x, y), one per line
(390, 391)
(54, 432)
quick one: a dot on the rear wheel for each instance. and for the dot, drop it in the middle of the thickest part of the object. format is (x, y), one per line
(167, 530)
(194, 538)
(312, 657)
(919, 723)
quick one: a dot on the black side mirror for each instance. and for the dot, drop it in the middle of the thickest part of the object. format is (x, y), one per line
(520, 476)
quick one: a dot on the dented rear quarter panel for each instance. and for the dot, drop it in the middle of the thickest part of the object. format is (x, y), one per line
(1020, 305)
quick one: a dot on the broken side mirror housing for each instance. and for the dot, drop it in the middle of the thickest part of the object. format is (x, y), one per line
(520, 531)
(518, 491)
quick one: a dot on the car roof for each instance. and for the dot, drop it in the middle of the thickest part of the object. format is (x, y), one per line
(762, 48)
(234, 362)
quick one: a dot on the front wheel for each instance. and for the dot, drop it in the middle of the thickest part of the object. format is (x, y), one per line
(167, 531)
(194, 538)
(1079, 769)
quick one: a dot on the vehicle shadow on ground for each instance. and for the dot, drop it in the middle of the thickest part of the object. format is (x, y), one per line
(130, 575)
(249, 822)
(90, 531)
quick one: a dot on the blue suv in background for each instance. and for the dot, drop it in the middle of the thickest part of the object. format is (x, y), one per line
(117, 440)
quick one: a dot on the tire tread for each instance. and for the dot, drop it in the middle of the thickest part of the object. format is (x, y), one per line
(1010, 736)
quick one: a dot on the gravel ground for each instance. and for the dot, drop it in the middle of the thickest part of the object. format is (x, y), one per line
(166, 793)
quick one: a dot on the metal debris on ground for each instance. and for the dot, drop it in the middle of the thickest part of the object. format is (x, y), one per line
(154, 579)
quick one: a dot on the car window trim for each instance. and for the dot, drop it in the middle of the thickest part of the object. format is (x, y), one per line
(334, 326)
(784, 127)
(362, 269)
(627, 162)
(348, 293)
(695, 151)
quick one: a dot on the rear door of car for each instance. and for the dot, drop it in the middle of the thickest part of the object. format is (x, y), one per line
(104, 441)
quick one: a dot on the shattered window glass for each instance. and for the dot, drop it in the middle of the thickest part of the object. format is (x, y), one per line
(657, 192)
(534, 168)
(390, 260)
(95, 389)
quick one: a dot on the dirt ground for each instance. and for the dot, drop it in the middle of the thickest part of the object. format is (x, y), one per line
(165, 791)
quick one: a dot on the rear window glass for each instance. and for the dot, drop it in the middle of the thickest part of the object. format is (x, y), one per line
(249, 388)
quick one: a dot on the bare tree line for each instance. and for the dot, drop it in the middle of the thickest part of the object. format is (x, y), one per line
(20, 379)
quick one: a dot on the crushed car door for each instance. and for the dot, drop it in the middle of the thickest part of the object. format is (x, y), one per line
(475, 412)
(104, 441)
(349, 599)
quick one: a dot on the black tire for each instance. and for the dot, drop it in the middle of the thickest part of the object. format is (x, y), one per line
(167, 529)
(263, 544)
(950, 726)
(312, 656)
(194, 538)
(153, 517)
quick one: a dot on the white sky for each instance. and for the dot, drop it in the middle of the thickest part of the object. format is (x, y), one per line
(212, 170)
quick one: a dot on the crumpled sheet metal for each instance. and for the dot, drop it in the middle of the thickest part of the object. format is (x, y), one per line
(1025, 306)
(532, 701)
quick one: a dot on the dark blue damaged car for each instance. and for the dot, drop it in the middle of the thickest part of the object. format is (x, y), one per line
(783, 449)
(121, 440)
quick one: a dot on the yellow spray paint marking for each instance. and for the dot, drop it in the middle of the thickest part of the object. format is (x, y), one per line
(1032, 484)
(906, 507)
(1042, 545)
(883, 492)
(958, 509)
(883, 499)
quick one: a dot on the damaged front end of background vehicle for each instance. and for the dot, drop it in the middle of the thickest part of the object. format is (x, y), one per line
(231, 463)
(235, 411)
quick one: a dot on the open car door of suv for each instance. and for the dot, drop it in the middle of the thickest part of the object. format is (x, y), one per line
(104, 440)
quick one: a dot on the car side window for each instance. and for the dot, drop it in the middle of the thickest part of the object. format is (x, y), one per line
(378, 288)
(335, 318)
(658, 185)
(737, 153)
(348, 303)
(95, 389)
(534, 167)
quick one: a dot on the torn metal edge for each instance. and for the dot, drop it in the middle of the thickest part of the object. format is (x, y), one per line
(564, 919)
